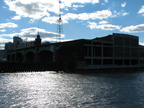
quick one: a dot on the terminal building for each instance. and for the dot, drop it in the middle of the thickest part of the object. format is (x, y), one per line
(112, 51)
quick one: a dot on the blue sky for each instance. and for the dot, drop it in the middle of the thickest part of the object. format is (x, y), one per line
(82, 19)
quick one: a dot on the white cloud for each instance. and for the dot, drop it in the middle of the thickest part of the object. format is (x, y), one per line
(124, 13)
(69, 2)
(141, 43)
(3, 30)
(16, 18)
(37, 9)
(103, 22)
(69, 16)
(77, 6)
(123, 4)
(141, 11)
(104, 14)
(108, 27)
(133, 29)
(32, 32)
(9, 24)
(30, 8)
(52, 20)
(120, 13)
(3, 41)
(93, 25)
(101, 14)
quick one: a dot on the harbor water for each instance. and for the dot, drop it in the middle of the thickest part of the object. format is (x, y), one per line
(71, 90)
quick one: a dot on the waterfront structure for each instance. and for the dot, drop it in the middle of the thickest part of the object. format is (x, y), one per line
(2, 55)
(112, 51)
(9, 46)
(17, 41)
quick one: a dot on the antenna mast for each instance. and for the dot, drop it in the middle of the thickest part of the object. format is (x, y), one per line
(59, 23)
(38, 29)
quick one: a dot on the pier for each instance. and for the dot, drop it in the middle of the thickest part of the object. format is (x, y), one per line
(34, 67)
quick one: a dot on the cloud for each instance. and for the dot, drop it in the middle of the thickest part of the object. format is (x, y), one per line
(38, 9)
(141, 11)
(2, 46)
(69, 2)
(103, 22)
(141, 43)
(16, 18)
(32, 32)
(9, 24)
(3, 30)
(120, 13)
(133, 29)
(77, 6)
(30, 8)
(3, 41)
(51, 20)
(93, 25)
(123, 4)
(101, 14)
(104, 14)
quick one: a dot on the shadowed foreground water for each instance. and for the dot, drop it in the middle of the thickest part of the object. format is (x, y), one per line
(61, 90)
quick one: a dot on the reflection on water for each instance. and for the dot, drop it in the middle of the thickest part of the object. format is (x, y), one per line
(57, 90)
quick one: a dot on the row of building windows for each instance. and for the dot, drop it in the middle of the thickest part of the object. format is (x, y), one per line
(109, 52)
(111, 62)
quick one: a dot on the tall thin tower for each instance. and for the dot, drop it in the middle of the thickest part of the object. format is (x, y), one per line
(59, 23)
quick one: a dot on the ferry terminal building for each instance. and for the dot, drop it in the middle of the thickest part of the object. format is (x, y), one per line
(112, 51)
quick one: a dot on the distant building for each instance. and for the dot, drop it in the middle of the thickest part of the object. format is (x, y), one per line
(12, 46)
(17, 41)
(9, 46)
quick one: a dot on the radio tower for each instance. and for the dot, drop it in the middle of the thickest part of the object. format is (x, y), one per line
(59, 23)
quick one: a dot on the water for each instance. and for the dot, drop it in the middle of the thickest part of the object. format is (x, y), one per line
(62, 90)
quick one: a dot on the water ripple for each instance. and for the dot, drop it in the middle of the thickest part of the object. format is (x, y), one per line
(61, 90)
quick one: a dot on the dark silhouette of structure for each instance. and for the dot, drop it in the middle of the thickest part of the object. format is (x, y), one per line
(112, 51)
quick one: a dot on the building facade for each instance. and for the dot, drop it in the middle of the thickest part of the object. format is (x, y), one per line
(116, 50)
(2, 55)
(112, 51)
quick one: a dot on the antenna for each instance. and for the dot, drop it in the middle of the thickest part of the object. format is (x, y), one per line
(38, 29)
(59, 23)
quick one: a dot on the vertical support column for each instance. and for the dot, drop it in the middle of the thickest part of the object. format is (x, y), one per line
(138, 55)
(113, 50)
(92, 55)
(102, 59)
(130, 50)
(14, 58)
(123, 51)
(54, 52)
(36, 54)
(24, 57)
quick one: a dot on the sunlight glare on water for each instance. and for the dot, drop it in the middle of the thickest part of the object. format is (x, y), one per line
(62, 90)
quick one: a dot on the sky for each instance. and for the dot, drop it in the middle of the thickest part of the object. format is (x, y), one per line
(81, 19)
